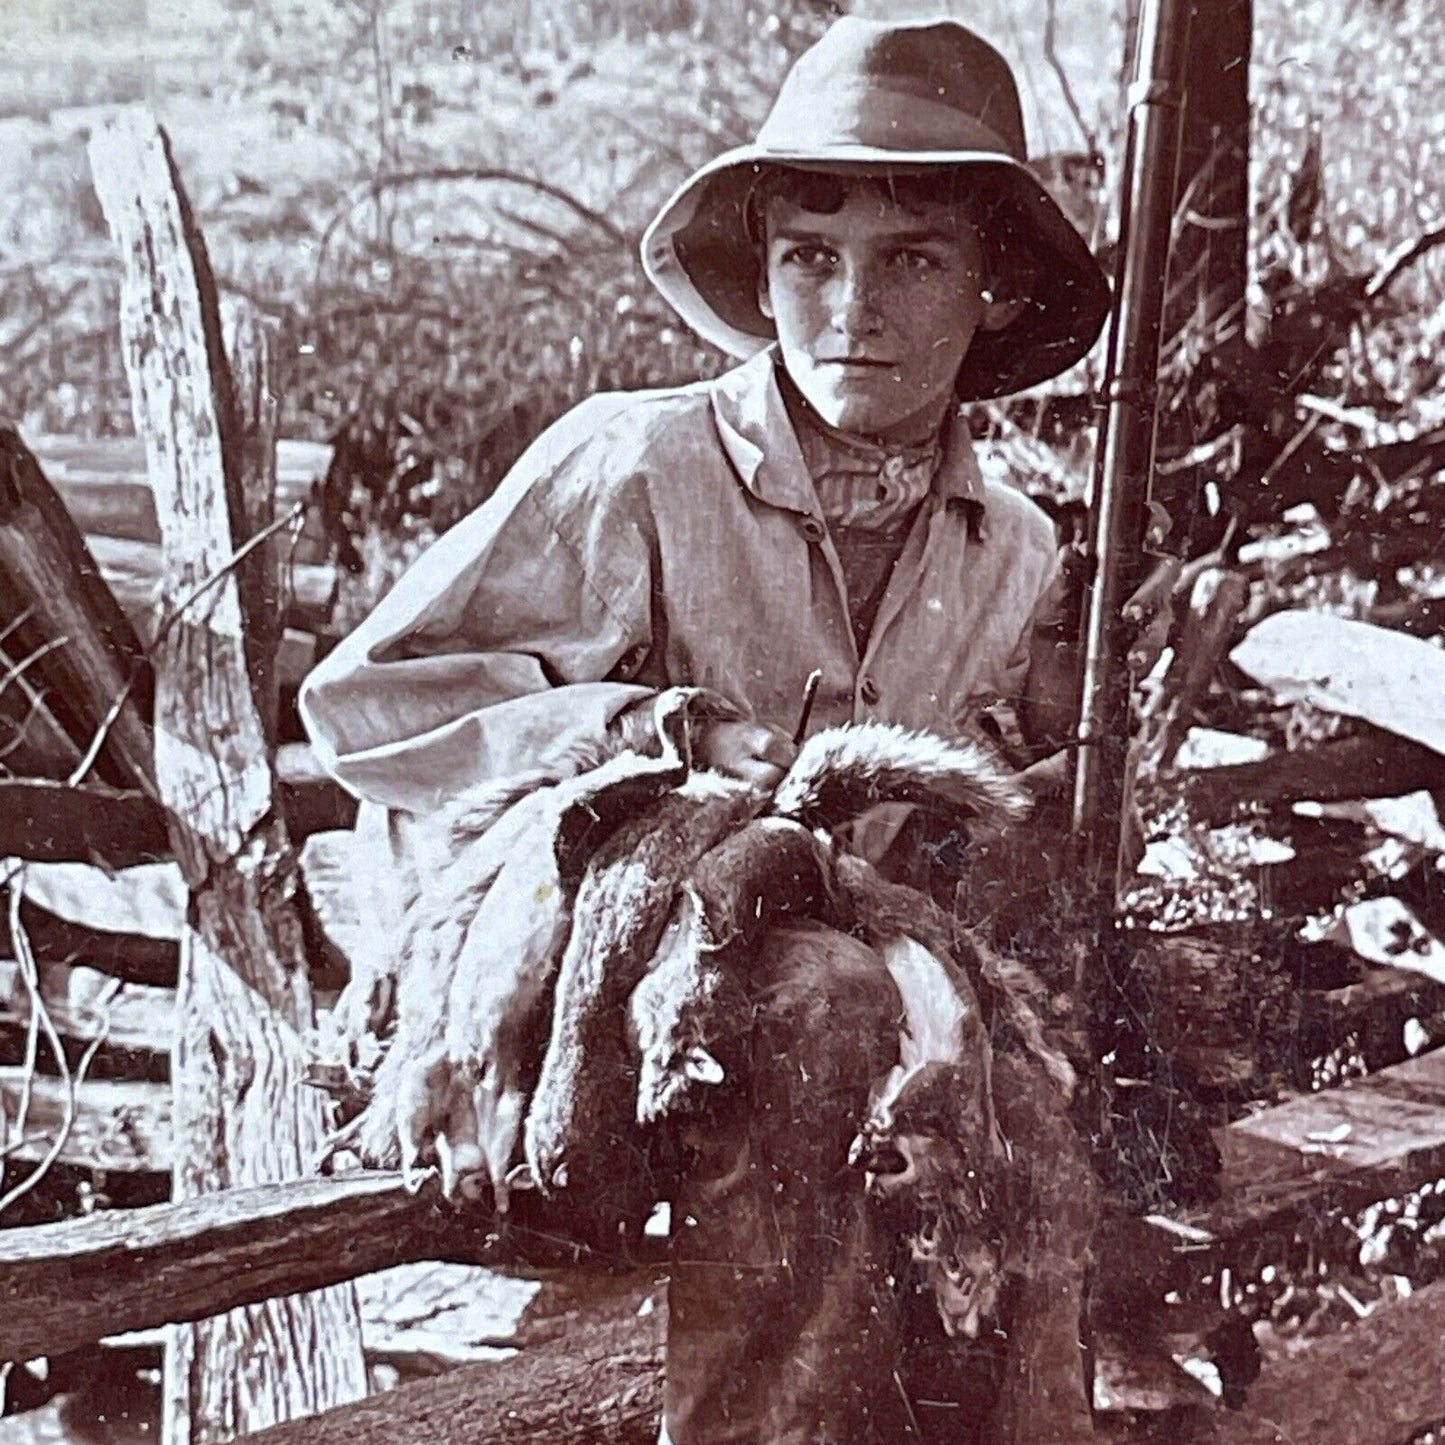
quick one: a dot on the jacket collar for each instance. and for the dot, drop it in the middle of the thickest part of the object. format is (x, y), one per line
(758, 437)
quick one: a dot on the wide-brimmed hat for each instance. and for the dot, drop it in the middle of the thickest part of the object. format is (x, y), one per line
(876, 95)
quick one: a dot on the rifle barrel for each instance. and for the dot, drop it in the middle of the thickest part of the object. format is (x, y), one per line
(1125, 459)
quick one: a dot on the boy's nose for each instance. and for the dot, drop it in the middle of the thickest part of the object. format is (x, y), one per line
(856, 309)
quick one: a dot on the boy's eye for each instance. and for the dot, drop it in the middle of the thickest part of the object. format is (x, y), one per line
(911, 259)
(809, 257)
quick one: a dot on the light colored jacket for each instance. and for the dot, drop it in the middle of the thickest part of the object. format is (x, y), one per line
(667, 537)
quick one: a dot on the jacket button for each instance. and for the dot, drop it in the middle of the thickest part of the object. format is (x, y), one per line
(813, 529)
(868, 691)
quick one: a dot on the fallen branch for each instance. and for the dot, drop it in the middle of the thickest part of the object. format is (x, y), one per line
(116, 1126)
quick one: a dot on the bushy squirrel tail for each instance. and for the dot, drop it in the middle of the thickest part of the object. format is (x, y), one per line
(841, 772)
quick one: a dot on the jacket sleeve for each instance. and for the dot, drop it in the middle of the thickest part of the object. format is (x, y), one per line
(512, 636)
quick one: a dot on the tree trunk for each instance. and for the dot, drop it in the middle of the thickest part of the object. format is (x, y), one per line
(242, 1115)
(1208, 263)
(1208, 267)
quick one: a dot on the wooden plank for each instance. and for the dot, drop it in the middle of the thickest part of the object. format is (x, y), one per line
(243, 990)
(156, 961)
(60, 616)
(136, 1269)
(1286, 1172)
(1350, 668)
(49, 822)
(133, 570)
(1375, 764)
(421, 1319)
(1376, 1382)
(430, 1313)
(1373, 1129)
(64, 1286)
(46, 821)
(126, 956)
(122, 460)
(314, 802)
(1375, 1008)
(115, 1125)
(104, 486)
(84, 1005)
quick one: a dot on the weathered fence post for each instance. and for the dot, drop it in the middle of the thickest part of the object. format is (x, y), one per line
(242, 1115)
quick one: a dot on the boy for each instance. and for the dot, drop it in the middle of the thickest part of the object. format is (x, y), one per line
(879, 254)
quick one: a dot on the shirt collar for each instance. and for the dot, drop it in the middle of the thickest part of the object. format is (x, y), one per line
(758, 437)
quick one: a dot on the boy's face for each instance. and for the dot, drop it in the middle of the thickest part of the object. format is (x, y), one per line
(875, 305)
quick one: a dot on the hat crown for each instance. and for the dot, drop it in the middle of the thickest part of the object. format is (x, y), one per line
(930, 86)
(879, 95)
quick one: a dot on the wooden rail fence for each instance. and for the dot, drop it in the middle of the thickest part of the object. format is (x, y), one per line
(88, 563)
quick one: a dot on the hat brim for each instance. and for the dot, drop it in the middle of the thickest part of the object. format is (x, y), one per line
(699, 255)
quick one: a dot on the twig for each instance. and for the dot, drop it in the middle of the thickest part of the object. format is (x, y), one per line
(1295, 443)
(1403, 256)
(10, 347)
(22, 725)
(25, 957)
(397, 180)
(1070, 99)
(19, 620)
(32, 1033)
(18, 670)
(903, 1394)
(1203, 454)
(543, 233)
(296, 515)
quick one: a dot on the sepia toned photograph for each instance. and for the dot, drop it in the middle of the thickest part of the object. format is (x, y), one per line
(722, 722)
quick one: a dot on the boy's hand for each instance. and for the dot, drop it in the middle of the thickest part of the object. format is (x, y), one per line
(748, 750)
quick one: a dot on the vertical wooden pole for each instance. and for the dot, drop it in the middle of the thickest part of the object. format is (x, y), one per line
(259, 575)
(242, 1115)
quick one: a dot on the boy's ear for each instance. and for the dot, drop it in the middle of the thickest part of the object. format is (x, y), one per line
(1008, 291)
(765, 302)
(1000, 311)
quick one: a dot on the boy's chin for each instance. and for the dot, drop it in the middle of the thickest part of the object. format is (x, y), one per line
(848, 414)
(857, 413)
